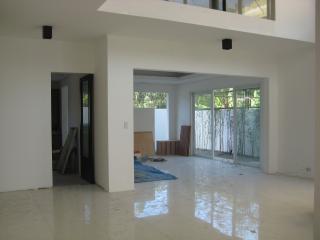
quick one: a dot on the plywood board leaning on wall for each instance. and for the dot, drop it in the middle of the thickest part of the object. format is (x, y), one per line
(144, 143)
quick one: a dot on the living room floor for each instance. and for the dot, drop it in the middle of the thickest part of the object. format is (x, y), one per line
(210, 200)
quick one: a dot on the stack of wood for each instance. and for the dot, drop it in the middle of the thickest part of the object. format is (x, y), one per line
(176, 147)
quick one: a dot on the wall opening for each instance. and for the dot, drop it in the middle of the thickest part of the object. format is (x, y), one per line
(71, 128)
(226, 125)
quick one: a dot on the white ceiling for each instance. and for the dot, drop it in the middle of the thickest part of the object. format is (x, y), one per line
(79, 20)
(191, 78)
(72, 19)
(149, 73)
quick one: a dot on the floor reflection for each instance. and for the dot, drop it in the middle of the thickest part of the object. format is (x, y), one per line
(87, 214)
(228, 215)
(155, 207)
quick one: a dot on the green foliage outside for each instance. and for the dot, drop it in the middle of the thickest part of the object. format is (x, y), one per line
(203, 102)
(223, 99)
(85, 100)
(248, 98)
(156, 100)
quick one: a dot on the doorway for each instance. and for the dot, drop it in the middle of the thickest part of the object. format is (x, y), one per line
(72, 128)
(227, 125)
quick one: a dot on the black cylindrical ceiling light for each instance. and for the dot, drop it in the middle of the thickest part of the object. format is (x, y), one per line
(227, 44)
(47, 32)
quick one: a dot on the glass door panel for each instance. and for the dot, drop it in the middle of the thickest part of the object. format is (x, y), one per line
(248, 126)
(224, 123)
(203, 125)
(86, 128)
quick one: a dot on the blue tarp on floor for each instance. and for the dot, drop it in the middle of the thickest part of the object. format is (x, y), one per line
(144, 173)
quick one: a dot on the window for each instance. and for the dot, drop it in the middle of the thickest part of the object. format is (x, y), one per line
(248, 98)
(254, 8)
(245, 98)
(231, 6)
(202, 102)
(159, 102)
(223, 98)
(200, 3)
(156, 100)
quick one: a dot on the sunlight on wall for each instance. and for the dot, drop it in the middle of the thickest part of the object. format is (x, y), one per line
(161, 118)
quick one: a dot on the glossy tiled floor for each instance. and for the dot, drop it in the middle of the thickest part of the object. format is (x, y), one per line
(210, 200)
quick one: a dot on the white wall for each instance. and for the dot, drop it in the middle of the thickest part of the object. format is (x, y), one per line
(25, 103)
(144, 120)
(296, 114)
(100, 115)
(161, 87)
(294, 18)
(120, 119)
(161, 125)
(127, 54)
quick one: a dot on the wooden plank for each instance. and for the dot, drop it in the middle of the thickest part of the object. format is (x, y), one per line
(66, 150)
(166, 147)
(181, 147)
(144, 143)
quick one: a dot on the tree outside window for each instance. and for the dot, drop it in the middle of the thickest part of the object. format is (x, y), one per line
(157, 100)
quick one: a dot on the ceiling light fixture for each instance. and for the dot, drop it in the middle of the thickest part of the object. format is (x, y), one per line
(227, 44)
(47, 32)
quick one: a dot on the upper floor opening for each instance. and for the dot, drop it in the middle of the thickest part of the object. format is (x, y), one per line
(218, 19)
(254, 8)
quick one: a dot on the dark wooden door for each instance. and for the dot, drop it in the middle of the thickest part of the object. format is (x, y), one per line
(56, 119)
(86, 128)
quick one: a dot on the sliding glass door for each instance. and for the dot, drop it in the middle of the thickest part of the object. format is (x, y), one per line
(248, 126)
(227, 125)
(224, 124)
(203, 124)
